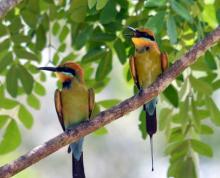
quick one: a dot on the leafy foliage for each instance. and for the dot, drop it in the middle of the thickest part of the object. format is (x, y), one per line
(91, 32)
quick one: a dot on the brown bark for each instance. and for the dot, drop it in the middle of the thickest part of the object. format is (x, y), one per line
(114, 113)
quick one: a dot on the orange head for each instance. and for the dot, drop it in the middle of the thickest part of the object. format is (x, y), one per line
(67, 71)
(142, 37)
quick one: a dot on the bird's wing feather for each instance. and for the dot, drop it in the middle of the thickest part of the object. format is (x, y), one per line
(164, 61)
(58, 106)
(134, 72)
(91, 100)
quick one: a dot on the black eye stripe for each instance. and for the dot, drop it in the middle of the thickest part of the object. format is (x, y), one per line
(145, 35)
(66, 69)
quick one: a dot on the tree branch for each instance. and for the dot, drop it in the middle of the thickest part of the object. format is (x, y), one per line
(7, 5)
(114, 113)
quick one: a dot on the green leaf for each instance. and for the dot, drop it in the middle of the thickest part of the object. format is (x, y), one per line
(104, 67)
(7, 103)
(23, 54)
(181, 10)
(201, 86)
(20, 38)
(56, 28)
(11, 138)
(120, 50)
(109, 13)
(3, 30)
(156, 22)
(206, 130)
(101, 4)
(3, 120)
(109, 103)
(64, 32)
(195, 114)
(26, 79)
(201, 148)
(39, 89)
(12, 81)
(33, 101)
(209, 15)
(171, 29)
(25, 117)
(93, 55)
(213, 110)
(210, 61)
(62, 47)
(91, 3)
(30, 18)
(102, 37)
(5, 44)
(40, 38)
(142, 124)
(176, 147)
(83, 36)
(101, 131)
(78, 10)
(165, 115)
(153, 3)
(171, 94)
(6, 61)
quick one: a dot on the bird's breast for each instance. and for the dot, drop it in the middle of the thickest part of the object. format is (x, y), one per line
(74, 104)
(148, 66)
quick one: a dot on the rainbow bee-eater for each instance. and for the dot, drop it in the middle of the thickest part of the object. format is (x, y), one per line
(74, 104)
(146, 65)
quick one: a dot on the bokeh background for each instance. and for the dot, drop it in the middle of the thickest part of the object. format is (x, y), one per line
(121, 153)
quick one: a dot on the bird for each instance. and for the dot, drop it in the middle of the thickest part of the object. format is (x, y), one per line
(74, 104)
(146, 65)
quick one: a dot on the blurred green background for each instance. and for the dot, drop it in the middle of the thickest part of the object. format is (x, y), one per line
(91, 32)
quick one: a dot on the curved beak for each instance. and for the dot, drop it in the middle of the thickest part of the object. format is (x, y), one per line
(53, 69)
(132, 30)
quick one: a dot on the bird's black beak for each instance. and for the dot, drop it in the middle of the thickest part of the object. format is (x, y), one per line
(53, 69)
(59, 69)
(132, 30)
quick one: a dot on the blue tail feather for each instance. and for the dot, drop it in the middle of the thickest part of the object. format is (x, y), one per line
(76, 148)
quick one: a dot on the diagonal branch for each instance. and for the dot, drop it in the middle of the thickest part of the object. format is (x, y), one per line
(114, 113)
(6, 6)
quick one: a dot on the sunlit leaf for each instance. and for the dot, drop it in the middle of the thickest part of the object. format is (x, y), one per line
(201, 148)
(25, 117)
(213, 110)
(100, 4)
(11, 138)
(78, 10)
(33, 101)
(91, 3)
(181, 10)
(109, 103)
(101, 131)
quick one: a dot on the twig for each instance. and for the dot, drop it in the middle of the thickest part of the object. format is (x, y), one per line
(114, 113)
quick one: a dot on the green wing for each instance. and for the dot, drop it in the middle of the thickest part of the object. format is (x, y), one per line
(58, 106)
(91, 102)
(134, 72)
(164, 61)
